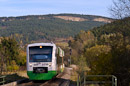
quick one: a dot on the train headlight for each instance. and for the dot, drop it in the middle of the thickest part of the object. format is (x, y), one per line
(49, 64)
(40, 46)
(30, 64)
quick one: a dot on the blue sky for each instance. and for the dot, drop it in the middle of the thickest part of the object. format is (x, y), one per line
(40, 7)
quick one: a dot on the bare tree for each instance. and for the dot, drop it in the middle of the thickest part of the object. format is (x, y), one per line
(120, 9)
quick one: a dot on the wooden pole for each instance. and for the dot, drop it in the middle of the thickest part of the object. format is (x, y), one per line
(62, 63)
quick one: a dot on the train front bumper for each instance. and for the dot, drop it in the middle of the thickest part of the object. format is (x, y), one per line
(41, 76)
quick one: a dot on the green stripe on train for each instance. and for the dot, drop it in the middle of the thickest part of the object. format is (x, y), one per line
(41, 76)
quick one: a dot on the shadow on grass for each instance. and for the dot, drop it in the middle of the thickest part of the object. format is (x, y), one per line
(73, 83)
(12, 78)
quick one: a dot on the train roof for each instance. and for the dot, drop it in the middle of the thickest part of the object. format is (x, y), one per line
(41, 44)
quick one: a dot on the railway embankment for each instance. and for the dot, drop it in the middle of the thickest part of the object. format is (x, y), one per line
(62, 79)
(12, 79)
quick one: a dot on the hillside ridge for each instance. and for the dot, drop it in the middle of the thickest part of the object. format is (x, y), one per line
(70, 17)
(37, 28)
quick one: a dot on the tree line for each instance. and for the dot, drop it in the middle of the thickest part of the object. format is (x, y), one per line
(105, 50)
(11, 55)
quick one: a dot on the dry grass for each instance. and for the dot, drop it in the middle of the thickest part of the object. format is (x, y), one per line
(22, 73)
(74, 76)
(63, 44)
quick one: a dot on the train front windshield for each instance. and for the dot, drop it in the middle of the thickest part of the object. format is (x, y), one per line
(40, 54)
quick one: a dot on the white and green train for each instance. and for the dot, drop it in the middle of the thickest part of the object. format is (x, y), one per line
(42, 61)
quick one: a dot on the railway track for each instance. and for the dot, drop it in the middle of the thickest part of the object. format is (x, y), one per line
(59, 80)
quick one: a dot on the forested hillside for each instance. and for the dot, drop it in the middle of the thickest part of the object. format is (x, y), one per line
(105, 50)
(119, 26)
(27, 29)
